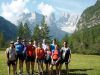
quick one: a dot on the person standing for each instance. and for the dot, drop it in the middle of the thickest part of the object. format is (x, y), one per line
(65, 55)
(30, 58)
(11, 57)
(47, 60)
(56, 59)
(19, 49)
(40, 58)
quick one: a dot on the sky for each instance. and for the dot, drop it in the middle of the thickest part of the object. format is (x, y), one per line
(45, 7)
(11, 9)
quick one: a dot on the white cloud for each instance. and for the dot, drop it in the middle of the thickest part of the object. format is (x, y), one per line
(12, 11)
(45, 9)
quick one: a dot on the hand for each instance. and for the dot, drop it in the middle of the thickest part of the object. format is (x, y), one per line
(69, 60)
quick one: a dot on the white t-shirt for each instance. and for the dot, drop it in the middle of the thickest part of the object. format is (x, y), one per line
(44, 46)
(12, 53)
(65, 51)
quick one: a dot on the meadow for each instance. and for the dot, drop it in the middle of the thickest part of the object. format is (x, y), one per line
(80, 65)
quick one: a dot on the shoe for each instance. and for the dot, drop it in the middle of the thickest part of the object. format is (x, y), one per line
(32, 73)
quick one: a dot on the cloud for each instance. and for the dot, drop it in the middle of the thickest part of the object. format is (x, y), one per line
(12, 11)
(46, 9)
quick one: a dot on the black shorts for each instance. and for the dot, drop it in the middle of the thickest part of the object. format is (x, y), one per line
(11, 63)
(47, 61)
(30, 59)
(20, 57)
(64, 61)
(40, 60)
(54, 62)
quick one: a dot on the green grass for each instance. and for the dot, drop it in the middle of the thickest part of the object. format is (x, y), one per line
(80, 65)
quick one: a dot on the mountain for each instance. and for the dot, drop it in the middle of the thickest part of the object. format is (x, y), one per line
(67, 22)
(31, 18)
(55, 31)
(86, 38)
(90, 17)
(8, 29)
(35, 18)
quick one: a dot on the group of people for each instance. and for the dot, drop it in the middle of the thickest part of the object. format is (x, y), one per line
(39, 53)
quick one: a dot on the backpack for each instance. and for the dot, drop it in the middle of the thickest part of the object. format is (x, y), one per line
(55, 55)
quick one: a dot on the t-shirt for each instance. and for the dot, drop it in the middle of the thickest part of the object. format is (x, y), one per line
(11, 52)
(65, 52)
(40, 53)
(30, 51)
(44, 46)
(52, 47)
(48, 55)
(19, 47)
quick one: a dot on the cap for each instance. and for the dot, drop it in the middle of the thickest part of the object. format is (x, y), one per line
(11, 42)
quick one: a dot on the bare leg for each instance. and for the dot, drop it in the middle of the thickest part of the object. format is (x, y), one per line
(56, 69)
(14, 70)
(42, 68)
(32, 67)
(8, 70)
(38, 65)
(46, 67)
(20, 66)
(51, 69)
(60, 66)
(16, 66)
(28, 67)
(66, 68)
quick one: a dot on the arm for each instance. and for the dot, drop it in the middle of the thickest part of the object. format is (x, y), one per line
(70, 56)
(36, 52)
(7, 54)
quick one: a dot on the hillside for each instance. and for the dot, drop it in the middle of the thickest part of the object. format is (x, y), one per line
(86, 39)
(90, 16)
(8, 29)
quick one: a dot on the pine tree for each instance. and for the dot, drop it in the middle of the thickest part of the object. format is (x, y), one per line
(20, 30)
(36, 33)
(27, 31)
(45, 30)
(41, 32)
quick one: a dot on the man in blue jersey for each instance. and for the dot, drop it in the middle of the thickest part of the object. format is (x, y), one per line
(19, 47)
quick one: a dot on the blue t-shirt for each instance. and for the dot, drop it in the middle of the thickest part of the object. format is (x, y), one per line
(19, 47)
(52, 47)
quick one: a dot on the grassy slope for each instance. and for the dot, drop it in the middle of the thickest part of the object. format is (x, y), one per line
(80, 65)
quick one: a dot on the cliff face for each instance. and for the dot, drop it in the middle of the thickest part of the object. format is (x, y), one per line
(90, 17)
